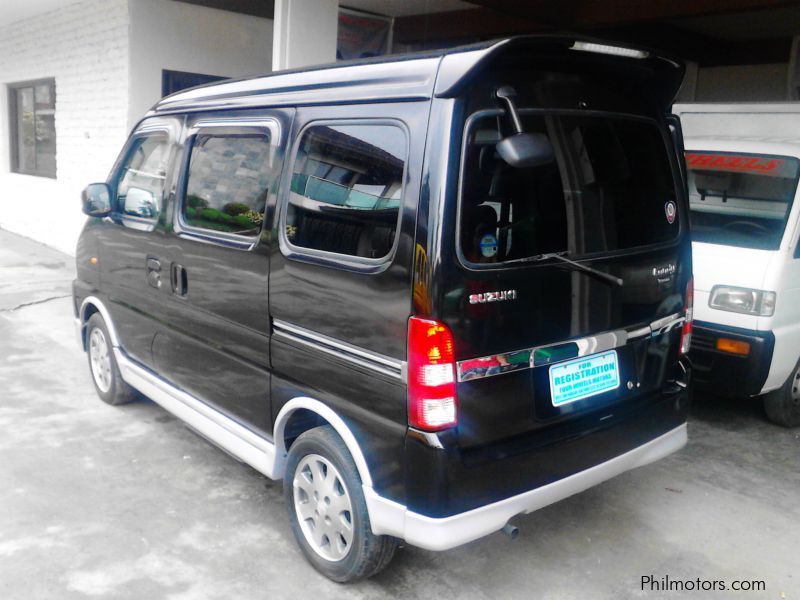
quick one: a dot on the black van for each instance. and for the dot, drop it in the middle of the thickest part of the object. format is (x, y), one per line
(430, 292)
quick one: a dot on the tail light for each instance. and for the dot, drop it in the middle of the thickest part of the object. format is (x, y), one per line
(686, 332)
(431, 376)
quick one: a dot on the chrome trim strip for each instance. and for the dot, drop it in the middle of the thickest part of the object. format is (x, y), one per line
(666, 324)
(517, 360)
(641, 332)
(352, 354)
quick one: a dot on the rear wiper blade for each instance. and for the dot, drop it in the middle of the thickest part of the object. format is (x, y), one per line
(607, 277)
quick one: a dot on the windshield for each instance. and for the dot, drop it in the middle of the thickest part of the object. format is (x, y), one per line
(740, 199)
(610, 187)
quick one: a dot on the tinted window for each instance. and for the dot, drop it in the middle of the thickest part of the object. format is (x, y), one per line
(33, 140)
(740, 199)
(228, 182)
(609, 188)
(346, 189)
(141, 186)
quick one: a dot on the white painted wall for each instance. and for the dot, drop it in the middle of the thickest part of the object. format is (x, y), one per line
(183, 37)
(305, 33)
(106, 57)
(84, 46)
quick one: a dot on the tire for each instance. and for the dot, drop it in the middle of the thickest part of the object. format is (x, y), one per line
(320, 464)
(783, 405)
(103, 366)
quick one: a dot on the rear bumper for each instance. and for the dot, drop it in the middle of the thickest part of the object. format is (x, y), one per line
(448, 532)
(727, 374)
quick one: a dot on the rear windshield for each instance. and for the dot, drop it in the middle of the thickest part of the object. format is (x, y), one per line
(740, 199)
(609, 188)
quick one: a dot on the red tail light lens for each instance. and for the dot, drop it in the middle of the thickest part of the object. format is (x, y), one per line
(686, 332)
(431, 376)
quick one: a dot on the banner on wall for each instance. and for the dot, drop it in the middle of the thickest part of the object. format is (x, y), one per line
(362, 35)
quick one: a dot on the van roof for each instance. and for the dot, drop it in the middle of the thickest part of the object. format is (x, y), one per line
(415, 76)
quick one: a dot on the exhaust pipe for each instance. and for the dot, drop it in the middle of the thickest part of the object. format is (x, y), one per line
(510, 530)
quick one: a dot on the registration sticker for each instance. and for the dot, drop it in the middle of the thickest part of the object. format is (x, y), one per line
(584, 377)
(488, 245)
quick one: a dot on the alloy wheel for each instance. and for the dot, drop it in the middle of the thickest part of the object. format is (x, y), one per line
(323, 507)
(100, 360)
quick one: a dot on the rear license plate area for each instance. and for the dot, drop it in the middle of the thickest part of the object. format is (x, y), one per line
(584, 377)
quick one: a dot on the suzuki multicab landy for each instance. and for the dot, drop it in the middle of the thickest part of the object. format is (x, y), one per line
(430, 292)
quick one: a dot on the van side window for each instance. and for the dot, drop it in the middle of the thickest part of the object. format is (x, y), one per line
(228, 181)
(141, 185)
(346, 189)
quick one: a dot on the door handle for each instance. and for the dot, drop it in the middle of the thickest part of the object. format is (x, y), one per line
(153, 272)
(179, 279)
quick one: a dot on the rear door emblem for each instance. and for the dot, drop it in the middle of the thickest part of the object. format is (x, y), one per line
(671, 211)
(501, 296)
(664, 274)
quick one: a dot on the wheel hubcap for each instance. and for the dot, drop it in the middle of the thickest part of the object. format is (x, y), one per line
(796, 386)
(323, 507)
(100, 360)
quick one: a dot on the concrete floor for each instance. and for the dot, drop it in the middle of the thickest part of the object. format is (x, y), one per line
(103, 502)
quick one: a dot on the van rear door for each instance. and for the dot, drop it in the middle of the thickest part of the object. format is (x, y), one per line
(545, 339)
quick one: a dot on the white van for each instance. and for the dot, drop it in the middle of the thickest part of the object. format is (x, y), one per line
(743, 164)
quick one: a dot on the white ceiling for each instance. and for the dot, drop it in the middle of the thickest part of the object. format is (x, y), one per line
(404, 8)
(12, 11)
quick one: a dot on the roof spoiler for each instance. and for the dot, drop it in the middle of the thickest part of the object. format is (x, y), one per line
(457, 69)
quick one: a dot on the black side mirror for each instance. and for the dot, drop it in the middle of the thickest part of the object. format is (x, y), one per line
(96, 200)
(521, 150)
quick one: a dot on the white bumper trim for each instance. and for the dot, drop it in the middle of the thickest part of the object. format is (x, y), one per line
(391, 518)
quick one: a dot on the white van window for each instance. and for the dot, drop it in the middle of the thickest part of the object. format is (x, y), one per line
(610, 188)
(740, 199)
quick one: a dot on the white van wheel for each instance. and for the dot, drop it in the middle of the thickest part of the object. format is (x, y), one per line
(327, 510)
(323, 505)
(783, 405)
(103, 366)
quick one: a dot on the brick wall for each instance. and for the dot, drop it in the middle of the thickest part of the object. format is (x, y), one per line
(85, 47)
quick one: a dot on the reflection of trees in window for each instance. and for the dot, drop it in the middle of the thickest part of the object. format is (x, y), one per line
(228, 183)
(346, 189)
(33, 120)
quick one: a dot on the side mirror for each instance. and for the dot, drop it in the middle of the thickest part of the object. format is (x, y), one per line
(521, 150)
(141, 203)
(96, 200)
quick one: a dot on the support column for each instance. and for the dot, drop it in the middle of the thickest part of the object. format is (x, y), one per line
(305, 33)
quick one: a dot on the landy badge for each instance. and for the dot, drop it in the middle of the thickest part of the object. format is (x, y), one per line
(488, 246)
(671, 211)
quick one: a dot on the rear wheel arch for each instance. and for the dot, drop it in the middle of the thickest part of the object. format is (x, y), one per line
(293, 420)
